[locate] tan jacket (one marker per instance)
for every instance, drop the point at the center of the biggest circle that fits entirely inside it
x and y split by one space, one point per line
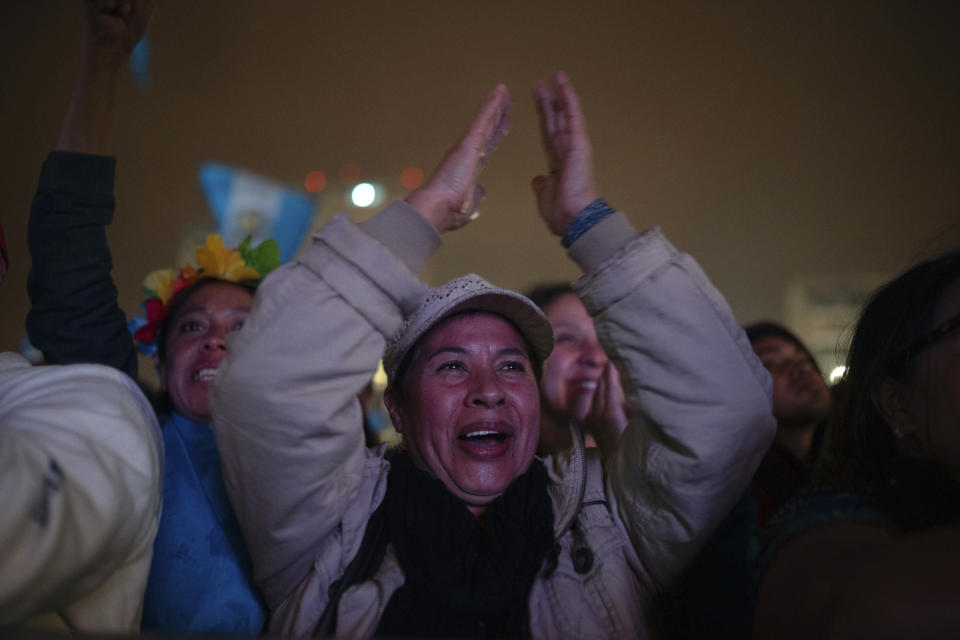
81 463
303 485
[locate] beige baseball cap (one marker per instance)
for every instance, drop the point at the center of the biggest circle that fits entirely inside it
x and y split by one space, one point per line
470 293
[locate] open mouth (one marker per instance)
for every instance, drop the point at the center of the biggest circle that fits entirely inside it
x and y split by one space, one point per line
583 385
205 375
483 436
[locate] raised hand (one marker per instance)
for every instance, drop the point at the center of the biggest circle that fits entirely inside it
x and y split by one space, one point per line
570 186
117 25
114 27
450 198
608 415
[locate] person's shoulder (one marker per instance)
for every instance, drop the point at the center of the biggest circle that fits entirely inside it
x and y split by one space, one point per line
60 380
96 401
100 380
827 503
816 508
10 361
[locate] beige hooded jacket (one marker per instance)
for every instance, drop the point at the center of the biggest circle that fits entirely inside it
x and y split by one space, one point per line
303 485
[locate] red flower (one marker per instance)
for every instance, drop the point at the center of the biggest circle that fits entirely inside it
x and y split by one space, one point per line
156 314
187 276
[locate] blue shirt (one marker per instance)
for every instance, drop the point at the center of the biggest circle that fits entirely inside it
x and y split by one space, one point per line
200 580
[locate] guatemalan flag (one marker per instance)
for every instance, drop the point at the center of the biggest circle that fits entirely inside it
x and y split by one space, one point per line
246 204
140 63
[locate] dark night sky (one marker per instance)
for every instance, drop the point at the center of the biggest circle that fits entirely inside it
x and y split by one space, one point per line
774 141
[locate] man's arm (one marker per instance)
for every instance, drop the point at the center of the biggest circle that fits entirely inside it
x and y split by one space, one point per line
113 29
74 315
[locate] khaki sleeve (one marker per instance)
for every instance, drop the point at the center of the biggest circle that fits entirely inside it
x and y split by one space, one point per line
702 400
286 416
80 474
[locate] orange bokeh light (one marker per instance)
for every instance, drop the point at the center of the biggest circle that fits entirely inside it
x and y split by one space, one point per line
315 181
349 173
411 178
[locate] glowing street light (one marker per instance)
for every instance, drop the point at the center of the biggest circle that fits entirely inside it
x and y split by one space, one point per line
363 195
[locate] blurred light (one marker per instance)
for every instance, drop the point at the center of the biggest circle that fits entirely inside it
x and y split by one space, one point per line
363 194
379 381
411 178
349 173
837 373
315 181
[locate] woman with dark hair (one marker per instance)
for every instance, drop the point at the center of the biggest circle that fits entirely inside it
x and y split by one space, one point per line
577 371
872 551
199 580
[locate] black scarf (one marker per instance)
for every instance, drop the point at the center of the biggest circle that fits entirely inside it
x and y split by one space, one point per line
464 577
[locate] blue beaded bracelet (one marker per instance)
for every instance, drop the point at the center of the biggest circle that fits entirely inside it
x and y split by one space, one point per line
591 215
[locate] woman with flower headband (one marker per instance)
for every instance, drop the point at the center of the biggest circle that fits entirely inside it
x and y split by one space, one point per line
200 580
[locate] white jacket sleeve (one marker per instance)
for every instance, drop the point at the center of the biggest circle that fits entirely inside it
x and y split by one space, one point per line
80 472
286 418
702 400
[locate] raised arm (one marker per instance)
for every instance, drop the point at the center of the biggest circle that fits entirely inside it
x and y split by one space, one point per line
74 315
701 416
569 186
286 418
452 195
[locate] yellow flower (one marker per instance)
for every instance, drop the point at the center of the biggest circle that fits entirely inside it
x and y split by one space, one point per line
216 261
161 283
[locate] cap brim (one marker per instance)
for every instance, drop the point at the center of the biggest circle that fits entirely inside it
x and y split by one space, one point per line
528 319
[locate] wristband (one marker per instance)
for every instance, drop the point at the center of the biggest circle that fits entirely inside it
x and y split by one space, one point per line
591 215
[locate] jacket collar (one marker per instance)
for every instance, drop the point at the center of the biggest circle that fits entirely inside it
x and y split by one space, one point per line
567 482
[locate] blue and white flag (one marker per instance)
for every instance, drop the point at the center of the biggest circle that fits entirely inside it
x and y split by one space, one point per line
140 63
246 204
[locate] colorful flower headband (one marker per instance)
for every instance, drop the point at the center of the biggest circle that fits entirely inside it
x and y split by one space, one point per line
243 264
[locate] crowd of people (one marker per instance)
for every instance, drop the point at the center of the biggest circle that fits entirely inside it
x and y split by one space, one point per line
610 458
